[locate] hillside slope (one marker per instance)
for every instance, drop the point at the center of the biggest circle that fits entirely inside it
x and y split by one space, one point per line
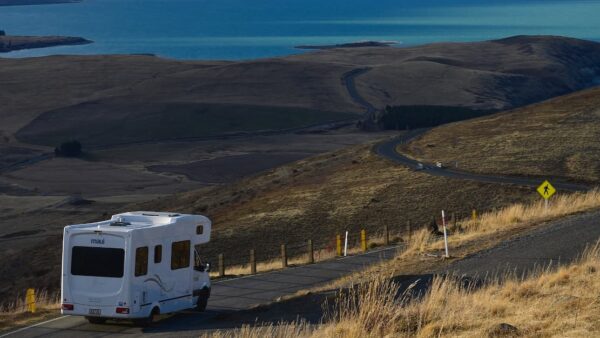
319 197
148 92
496 74
558 137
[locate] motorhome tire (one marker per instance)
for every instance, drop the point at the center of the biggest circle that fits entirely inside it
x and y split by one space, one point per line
202 301
148 320
96 320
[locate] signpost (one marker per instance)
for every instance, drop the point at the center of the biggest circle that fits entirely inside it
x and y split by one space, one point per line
445 234
546 190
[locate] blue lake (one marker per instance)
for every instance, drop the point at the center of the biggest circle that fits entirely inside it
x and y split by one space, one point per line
246 29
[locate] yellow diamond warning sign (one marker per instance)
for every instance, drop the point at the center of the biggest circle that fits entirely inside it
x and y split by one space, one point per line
546 190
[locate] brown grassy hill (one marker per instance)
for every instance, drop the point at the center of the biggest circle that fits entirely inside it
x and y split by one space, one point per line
557 138
150 93
497 74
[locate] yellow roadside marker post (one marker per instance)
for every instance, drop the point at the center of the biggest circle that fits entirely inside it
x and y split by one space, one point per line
338 245
363 240
30 300
546 190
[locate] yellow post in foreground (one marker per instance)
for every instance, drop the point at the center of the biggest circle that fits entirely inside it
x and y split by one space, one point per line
474 214
338 245
363 240
30 300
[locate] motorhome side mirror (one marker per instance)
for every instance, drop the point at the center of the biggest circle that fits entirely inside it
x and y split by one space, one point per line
202 267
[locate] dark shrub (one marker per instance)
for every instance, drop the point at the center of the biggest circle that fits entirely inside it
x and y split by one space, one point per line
69 149
412 117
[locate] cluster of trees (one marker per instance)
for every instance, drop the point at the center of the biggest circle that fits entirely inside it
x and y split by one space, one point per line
2 33
413 117
69 149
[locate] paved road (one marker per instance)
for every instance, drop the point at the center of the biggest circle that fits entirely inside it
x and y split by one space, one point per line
557 242
388 149
227 296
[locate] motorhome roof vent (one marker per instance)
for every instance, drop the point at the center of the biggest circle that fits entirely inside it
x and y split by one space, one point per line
119 224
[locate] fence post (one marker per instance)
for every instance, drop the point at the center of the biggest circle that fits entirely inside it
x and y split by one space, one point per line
363 240
409 229
338 245
474 214
311 252
386 236
30 300
284 262
221 266
252 262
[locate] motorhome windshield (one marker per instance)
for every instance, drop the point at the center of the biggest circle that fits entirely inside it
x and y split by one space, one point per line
97 262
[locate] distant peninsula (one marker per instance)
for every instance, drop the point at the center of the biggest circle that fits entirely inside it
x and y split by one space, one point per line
35 2
10 43
350 45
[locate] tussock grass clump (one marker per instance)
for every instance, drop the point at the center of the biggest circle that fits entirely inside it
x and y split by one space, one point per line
15 313
561 205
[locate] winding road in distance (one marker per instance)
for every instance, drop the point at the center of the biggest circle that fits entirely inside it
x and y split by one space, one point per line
387 149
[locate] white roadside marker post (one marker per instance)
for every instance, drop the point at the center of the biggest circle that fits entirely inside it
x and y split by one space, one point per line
445 234
346 245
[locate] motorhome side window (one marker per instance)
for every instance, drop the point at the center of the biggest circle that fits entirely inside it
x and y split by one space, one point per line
158 254
141 261
180 255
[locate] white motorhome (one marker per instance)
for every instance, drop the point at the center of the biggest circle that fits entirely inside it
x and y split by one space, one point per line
136 265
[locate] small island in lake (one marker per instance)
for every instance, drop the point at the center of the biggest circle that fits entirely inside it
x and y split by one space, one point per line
358 44
34 2
10 43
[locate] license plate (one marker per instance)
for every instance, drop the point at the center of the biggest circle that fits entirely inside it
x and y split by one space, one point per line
95 312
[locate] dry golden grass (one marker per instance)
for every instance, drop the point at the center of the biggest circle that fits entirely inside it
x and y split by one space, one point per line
549 303
509 218
555 138
15 313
